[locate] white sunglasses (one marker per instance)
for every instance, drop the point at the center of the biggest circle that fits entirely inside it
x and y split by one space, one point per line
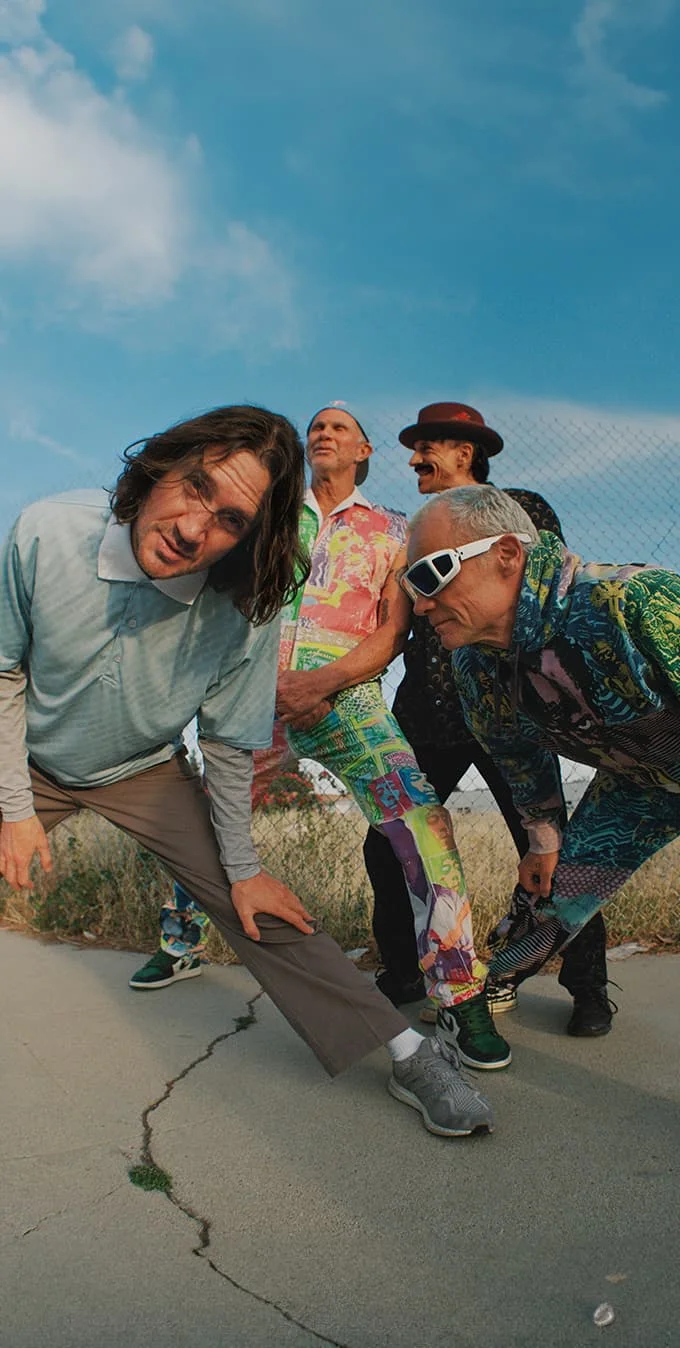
433 572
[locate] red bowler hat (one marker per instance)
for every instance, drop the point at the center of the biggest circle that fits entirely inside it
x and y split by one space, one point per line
452 421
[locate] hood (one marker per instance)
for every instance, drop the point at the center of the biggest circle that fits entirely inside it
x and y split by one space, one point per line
545 596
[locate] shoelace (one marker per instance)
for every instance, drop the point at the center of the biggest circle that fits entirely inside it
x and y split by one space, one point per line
601 998
478 1018
449 1054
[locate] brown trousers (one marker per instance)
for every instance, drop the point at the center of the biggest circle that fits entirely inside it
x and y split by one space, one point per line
327 1001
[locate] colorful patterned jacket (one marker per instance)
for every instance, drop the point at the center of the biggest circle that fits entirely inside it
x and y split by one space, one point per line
427 705
593 673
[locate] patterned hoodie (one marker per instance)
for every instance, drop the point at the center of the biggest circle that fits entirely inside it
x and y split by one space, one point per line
593 672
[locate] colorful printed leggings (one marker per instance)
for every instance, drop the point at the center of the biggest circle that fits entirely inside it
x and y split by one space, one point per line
614 828
361 743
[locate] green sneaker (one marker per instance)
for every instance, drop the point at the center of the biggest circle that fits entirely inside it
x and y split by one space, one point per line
162 970
470 1028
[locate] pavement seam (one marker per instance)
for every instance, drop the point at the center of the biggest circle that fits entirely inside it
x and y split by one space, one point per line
241 1023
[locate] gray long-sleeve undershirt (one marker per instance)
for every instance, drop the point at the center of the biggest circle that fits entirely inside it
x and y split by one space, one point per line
16 796
229 776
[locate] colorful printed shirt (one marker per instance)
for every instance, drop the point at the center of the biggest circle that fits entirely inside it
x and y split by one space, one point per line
593 673
427 705
352 553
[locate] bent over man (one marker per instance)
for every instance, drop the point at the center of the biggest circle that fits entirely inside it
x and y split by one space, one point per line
556 655
119 622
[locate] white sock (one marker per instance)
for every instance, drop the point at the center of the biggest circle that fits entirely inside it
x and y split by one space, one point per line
404 1045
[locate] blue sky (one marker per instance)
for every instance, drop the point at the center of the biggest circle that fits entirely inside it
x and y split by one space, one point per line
288 202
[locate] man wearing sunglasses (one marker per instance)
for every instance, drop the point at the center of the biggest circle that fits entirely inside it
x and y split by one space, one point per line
451 446
554 655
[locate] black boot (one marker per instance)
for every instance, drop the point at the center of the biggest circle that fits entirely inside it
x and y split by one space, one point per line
397 991
584 975
592 1013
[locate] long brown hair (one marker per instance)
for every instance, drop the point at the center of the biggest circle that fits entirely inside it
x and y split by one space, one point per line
264 570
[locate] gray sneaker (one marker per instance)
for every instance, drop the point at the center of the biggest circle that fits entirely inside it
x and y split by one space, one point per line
430 1081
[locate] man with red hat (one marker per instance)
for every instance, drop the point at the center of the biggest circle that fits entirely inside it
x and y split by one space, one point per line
451 446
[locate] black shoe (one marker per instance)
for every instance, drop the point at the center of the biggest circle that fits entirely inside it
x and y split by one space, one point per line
592 1014
399 993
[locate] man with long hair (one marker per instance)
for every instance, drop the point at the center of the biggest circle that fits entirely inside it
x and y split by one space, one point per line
121 620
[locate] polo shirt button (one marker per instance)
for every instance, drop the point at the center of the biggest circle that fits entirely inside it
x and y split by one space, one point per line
116 659
132 622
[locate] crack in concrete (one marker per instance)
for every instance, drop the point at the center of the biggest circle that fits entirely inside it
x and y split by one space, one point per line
61 1212
241 1023
273 1305
203 1223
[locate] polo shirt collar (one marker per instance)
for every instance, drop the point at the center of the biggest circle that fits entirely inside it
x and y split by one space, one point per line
356 498
117 561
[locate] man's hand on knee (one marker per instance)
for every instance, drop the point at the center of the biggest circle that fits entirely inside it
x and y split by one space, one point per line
19 843
265 894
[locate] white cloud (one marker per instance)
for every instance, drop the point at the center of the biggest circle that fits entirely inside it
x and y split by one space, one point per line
23 430
133 54
83 187
245 267
20 20
106 213
605 87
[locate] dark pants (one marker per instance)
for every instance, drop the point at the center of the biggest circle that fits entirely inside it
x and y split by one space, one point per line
584 960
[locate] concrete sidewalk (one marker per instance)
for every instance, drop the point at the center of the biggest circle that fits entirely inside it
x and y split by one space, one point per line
331 1215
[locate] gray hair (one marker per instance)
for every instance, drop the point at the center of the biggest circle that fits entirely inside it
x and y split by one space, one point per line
481 512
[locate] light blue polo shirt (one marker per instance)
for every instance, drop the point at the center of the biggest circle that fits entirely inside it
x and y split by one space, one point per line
118 664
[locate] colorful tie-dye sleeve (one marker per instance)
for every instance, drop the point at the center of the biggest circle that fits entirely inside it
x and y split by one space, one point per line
652 617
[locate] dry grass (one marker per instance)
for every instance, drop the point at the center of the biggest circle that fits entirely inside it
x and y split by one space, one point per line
103 885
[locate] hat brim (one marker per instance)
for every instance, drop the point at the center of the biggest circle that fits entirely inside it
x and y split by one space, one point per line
453 430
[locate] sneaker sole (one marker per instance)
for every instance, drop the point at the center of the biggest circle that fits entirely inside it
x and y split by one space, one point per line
589 1034
500 1008
408 1098
165 982
478 1066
